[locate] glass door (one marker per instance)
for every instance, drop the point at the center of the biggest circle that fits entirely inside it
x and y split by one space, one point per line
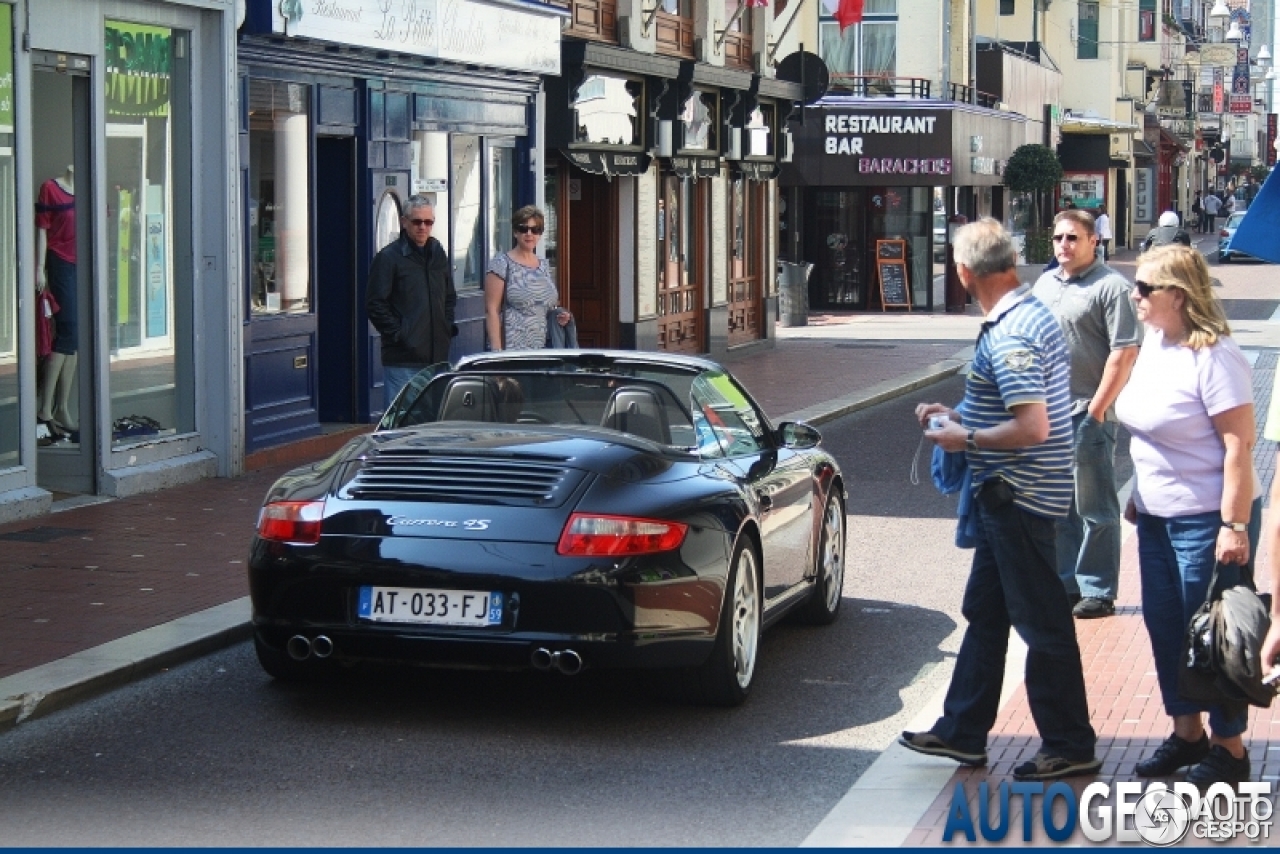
679 272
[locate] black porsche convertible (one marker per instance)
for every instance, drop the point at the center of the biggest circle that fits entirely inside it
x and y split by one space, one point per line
556 510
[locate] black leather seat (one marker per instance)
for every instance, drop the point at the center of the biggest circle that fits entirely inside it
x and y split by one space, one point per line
638 411
469 399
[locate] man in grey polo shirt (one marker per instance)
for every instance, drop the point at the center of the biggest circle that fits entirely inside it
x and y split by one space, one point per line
1092 303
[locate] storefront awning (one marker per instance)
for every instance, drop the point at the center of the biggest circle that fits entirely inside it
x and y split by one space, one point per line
1072 123
608 162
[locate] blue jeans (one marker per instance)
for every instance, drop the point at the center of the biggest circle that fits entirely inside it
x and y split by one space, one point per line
1089 538
396 377
1012 582
1176 559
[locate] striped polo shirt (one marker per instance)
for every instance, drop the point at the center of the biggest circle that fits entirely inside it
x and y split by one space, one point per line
1021 357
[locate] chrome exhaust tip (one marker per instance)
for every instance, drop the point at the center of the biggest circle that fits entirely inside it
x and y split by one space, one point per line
568 662
322 646
542 659
298 647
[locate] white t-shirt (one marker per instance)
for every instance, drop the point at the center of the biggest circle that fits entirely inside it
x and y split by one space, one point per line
1103 225
1167 406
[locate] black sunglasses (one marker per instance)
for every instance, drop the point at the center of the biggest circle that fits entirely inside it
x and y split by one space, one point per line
422 222
1070 238
1144 290
525 229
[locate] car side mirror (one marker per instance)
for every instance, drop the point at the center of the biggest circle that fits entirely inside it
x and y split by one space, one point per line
797 435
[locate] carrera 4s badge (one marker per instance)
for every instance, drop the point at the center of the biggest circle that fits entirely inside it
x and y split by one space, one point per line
465 524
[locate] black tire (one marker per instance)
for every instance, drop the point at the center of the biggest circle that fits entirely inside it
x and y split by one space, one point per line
725 678
279 665
823 606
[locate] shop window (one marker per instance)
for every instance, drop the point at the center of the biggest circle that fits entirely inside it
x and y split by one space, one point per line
467 192
501 185
699 115
148 226
1087 30
867 49
279 197
759 132
607 111
1146 20
10 412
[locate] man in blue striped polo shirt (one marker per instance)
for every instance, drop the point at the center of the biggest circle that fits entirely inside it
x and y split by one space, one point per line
1016 432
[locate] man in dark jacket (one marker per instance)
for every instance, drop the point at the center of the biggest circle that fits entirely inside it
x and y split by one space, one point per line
411 299
1167 231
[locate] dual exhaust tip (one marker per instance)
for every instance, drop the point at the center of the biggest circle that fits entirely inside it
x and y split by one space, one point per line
300 647
566 661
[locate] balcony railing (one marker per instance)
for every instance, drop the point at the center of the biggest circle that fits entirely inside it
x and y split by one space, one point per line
877 86
961 92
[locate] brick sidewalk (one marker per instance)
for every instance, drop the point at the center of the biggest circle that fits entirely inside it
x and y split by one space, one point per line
79 578
1124 699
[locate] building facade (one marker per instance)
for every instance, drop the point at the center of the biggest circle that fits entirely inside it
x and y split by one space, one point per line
117 172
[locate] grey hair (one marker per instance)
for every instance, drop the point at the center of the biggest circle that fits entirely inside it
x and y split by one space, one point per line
985 247
416 202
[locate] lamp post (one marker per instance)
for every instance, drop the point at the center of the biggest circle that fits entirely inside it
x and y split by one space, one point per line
1218 16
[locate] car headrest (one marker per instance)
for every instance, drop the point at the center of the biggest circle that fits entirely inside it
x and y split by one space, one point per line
638 411
469 399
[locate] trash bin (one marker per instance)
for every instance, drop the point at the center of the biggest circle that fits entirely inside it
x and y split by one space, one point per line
793 293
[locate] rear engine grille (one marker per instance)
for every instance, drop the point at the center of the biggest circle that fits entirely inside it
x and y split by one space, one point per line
475 479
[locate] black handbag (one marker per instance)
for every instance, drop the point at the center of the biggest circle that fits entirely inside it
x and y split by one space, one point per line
1221 652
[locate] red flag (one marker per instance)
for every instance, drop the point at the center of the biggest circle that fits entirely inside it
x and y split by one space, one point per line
849 12
763 4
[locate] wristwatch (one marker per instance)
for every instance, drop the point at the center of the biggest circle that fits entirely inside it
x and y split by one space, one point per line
970 443
1238 527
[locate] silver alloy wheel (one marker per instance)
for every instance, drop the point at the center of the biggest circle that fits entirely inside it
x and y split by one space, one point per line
745 618
833 552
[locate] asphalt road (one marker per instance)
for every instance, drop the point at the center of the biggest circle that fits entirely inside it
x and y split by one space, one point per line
215 753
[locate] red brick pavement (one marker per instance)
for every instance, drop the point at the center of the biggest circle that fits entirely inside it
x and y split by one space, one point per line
111 569
1126 712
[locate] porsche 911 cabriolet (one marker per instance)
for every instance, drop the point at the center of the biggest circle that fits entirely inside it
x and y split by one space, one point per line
554 510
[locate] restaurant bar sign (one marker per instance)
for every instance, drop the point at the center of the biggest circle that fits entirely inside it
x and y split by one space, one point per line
502 36
850 146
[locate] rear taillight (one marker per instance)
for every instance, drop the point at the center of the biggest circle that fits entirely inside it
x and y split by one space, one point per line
618 536
291 521
1224 233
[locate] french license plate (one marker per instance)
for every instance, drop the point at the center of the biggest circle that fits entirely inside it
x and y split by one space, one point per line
429 607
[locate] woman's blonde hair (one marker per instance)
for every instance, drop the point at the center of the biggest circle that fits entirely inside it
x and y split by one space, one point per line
1184 268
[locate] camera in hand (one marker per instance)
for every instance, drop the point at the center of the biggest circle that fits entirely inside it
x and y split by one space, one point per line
937 422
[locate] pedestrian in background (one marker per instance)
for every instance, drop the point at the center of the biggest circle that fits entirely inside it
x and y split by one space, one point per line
1091 302
1016 434
1102 227
520 297
1212 204
1197 210
411 299
1196 499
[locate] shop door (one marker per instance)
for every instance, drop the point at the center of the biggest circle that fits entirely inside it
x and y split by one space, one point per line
680 268
590 254
834 244
390 192
66 399
336 304
746 251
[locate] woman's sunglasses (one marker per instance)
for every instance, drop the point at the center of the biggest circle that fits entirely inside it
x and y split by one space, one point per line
1144 290
525 229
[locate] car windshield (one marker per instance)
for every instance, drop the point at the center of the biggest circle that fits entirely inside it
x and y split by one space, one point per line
1234 221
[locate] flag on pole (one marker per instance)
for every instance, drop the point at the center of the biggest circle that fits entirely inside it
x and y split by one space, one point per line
762 4
849 12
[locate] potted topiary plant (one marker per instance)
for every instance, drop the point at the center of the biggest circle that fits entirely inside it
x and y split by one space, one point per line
1034 169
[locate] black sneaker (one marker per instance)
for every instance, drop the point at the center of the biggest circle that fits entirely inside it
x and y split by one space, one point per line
1091 608
931 745
1219 766
1172 754
1046 767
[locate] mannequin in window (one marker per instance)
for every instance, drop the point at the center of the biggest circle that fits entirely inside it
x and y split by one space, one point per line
56 269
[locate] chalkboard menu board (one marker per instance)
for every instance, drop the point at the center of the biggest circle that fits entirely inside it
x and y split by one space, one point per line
891 267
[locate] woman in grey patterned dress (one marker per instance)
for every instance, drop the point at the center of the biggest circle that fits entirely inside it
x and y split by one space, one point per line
518 290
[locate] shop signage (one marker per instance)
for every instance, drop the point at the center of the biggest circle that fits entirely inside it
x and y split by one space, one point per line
1143 201
696 167
1271 139
458 30
137 61
756 170
886 142
608 162
986 165
1223 53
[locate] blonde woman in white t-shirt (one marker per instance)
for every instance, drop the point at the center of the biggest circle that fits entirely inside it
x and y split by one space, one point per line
1196 500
